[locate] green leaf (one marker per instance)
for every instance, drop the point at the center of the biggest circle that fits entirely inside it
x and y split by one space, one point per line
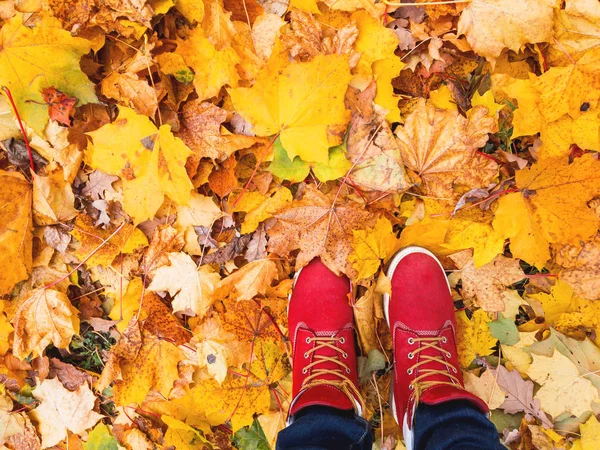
251 438
505 330
282 167
336 168
101 439
297 170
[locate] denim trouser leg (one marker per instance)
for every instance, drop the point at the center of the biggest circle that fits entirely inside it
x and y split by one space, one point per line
455 425
324 428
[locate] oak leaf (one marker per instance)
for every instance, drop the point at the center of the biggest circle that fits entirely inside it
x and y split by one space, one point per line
191 287
318 228
15 230
43 317
301 102
551 207
62 411
149 161
473 337
40 57
486 23
562 388
440 146
252 279
519 394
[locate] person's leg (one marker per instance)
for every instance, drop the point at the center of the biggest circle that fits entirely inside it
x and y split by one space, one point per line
324 428
326 403
427 378
455 425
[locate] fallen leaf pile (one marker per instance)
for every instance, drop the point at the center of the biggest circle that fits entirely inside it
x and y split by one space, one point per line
167 166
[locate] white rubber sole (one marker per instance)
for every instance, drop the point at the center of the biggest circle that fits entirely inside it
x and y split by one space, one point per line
406 430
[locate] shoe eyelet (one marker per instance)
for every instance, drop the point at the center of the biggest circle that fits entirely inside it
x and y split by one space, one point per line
410 355
411 341
444 340
454 370
345 355
409 371
304 371
448 355
306 355
411 387
348 371
308 340
342 340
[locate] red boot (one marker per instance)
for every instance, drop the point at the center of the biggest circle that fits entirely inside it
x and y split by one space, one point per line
321 327
420 314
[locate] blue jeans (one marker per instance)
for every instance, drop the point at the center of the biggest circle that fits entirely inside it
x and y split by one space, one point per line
455 425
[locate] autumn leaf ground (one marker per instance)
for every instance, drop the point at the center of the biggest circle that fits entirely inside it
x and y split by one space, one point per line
167 166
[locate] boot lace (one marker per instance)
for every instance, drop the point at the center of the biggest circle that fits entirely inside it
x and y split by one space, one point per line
343 383
420 384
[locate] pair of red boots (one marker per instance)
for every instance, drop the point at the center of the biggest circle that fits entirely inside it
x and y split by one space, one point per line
420 314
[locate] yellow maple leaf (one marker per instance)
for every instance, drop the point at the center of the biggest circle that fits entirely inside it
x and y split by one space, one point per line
303 102
260 207
43 317
590 435
91 240
43 56
309 6
562 388
565 90
15 229
493 25
247 282
213 68
182 436
576 30
52 199
372 247
149 161
473 337
73 408
154 367
551 207
191 287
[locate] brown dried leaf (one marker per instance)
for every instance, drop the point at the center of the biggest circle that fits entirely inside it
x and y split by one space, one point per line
440 146
581 267
318 228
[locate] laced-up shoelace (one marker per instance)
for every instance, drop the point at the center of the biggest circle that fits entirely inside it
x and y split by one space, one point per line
419 384
344 383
